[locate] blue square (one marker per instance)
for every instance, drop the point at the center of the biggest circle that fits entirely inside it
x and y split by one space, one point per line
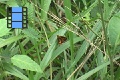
16 16
16 24
16 9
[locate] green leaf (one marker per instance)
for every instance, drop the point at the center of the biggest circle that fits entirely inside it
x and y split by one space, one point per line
25 62
93 71
31 11
3 27
14 71
49 52
45 5
31 32
3 0
12 3
114 28
9 40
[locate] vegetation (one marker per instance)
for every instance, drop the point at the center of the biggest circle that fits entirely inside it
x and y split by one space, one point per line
41 51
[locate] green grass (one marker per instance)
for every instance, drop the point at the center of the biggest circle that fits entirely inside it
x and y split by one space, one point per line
91 52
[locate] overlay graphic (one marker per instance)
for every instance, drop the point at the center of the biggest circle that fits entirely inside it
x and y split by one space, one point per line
17 17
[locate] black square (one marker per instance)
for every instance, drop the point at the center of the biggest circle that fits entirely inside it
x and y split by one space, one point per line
9 9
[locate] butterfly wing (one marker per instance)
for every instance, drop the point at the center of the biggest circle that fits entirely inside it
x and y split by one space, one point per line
61 39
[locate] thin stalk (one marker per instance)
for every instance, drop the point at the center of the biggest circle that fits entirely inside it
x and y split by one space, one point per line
106 43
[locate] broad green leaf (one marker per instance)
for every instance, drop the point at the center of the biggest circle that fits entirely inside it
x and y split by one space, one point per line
3 27
25 62
10 40
114 29
14 71
31 32
12 3
45 7
49 52
1 39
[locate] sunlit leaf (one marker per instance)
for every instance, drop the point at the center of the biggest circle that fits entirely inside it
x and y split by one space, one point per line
25 62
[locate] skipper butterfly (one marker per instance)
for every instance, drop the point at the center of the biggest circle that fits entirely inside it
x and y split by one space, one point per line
61 39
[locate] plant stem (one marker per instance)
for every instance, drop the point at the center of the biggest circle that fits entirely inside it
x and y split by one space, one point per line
106 43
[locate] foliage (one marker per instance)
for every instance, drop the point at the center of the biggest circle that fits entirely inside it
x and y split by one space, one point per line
91 52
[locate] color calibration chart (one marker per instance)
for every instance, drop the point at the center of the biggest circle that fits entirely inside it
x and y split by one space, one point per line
17 17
